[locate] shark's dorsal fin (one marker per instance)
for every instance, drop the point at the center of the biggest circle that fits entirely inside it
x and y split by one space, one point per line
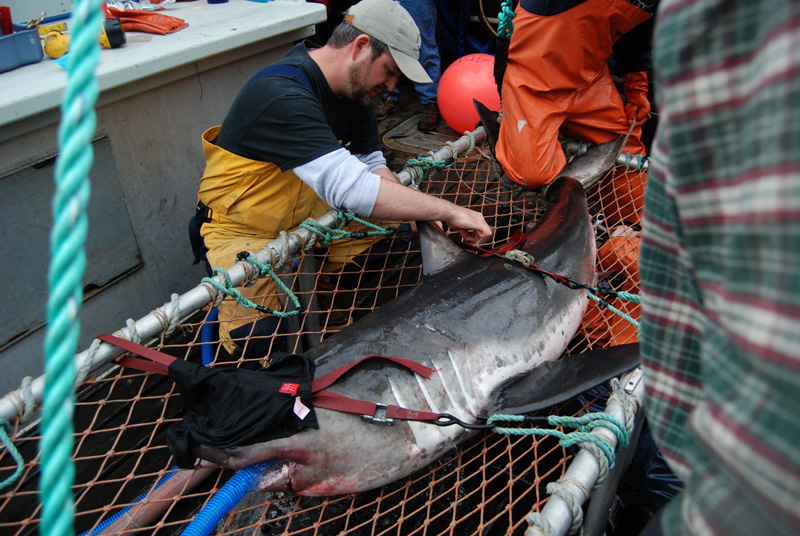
490 123
438 251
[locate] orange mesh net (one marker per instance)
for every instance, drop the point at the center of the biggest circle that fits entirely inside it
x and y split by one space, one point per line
487 486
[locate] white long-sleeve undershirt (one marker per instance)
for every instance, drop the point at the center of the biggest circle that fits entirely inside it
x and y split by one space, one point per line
343 180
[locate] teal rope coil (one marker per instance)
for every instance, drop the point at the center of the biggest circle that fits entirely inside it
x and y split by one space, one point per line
506 26
633 162
5 426
229 290
426 164
67 239
584 424
326 235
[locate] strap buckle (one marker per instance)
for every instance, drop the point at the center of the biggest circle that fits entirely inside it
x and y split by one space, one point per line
516 255
379 417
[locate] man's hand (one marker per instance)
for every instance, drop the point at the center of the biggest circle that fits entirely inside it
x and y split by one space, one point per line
398 202
470 225
637 106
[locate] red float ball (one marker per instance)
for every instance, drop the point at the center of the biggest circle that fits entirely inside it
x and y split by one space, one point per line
469 77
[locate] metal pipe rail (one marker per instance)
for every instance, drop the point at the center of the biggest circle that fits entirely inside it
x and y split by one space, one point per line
585 467
152 325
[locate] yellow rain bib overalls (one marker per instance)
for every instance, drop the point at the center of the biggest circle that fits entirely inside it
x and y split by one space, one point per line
250 203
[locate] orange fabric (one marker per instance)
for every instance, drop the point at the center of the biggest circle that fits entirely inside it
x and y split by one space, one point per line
557 79
622 196
137 20
635 87
619 254
605 328
568 50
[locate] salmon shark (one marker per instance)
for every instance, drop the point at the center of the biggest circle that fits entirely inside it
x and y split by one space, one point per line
480 322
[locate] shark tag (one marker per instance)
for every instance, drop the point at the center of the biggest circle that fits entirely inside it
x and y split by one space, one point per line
300 409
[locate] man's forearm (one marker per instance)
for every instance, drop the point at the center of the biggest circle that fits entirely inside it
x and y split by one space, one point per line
398 202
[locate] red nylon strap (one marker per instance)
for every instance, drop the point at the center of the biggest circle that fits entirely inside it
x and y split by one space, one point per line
331 377
143 364
334 401
158 361
501 251
337 402
516 240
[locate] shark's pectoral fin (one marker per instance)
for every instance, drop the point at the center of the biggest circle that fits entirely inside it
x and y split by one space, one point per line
557 381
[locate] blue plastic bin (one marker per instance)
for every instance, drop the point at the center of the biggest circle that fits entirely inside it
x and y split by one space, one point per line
20 48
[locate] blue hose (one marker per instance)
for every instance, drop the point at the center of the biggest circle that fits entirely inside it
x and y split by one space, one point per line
224 500
207 337
107 522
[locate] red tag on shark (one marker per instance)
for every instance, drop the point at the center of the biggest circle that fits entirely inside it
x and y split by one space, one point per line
289 388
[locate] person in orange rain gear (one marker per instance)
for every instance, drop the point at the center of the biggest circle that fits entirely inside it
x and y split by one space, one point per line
557 80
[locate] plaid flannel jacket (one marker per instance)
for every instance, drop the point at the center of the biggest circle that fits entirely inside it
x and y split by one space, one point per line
720 264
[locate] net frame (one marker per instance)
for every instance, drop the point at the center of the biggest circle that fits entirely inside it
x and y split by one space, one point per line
121 414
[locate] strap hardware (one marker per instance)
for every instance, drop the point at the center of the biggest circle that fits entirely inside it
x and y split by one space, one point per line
525 259
379 417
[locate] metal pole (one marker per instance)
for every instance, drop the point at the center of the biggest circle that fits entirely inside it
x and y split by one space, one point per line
151 326
584 467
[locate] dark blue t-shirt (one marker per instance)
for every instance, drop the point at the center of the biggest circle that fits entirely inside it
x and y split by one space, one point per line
278 118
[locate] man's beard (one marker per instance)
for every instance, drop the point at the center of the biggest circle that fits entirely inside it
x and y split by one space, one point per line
363 94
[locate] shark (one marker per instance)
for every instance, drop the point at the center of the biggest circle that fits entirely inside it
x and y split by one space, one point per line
481 323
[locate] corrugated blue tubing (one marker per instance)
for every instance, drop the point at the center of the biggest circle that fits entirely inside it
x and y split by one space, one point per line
107 522
224 500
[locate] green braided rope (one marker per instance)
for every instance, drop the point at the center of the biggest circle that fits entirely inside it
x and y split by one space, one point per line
641 160
602 303
590 421
229 290
266 269
377 230
326 235
506 16
584 424
627 296
67 239
427 163
5 426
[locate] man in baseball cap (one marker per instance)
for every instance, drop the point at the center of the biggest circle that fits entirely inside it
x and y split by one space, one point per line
301 137
389 22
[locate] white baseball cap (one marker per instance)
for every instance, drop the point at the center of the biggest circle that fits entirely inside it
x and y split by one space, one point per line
389 22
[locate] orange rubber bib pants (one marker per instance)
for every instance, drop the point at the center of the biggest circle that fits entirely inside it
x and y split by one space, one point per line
557 79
